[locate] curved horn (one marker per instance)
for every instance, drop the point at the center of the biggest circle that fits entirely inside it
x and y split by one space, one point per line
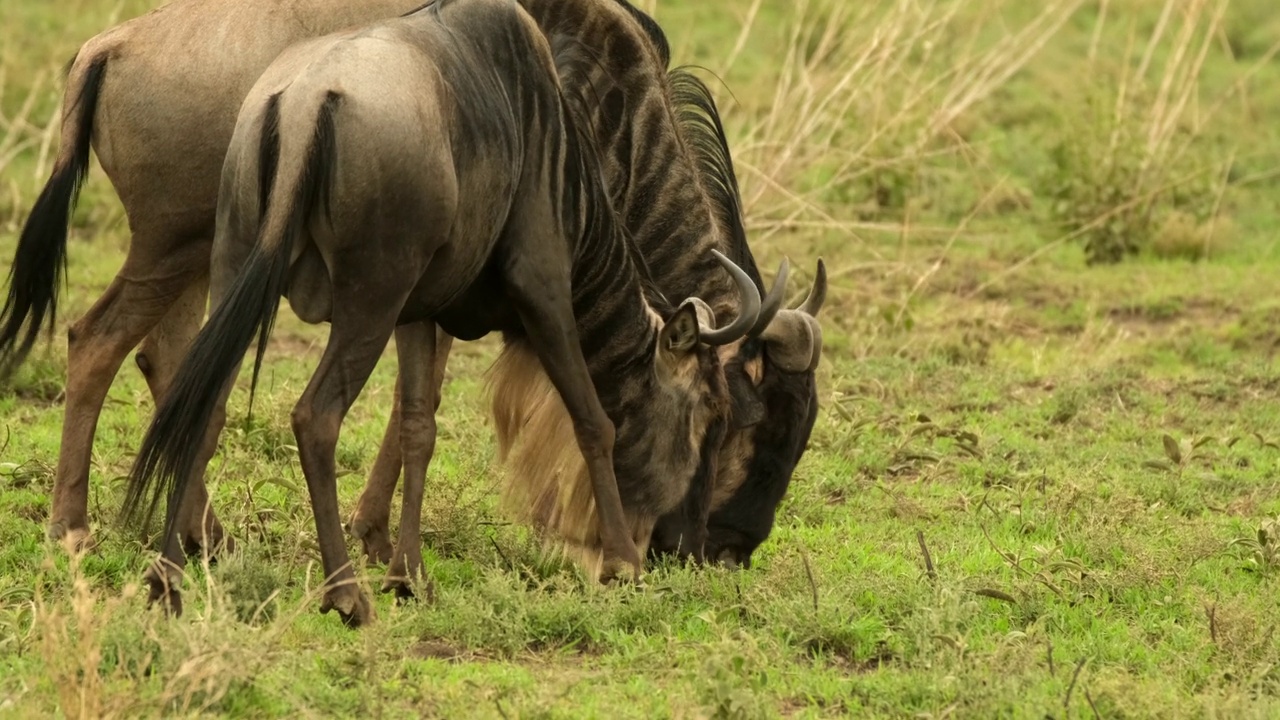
818 294
772 302
747 314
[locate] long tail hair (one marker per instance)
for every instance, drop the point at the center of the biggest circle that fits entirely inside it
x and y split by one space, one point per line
41 260
169 452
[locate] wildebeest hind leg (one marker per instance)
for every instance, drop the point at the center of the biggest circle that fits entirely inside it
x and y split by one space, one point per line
415 350
371 521
165 574
138 297
361 326
158 359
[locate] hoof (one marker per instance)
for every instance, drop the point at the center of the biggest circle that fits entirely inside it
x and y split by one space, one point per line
405 592
352 605
619 571
73 540
374 539
404 574
407 589
163 590
217 543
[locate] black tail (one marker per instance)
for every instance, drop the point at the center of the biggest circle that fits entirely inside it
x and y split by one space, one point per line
41 260
173 442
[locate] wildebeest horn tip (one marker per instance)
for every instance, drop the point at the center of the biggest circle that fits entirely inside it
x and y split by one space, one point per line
818 294
772 302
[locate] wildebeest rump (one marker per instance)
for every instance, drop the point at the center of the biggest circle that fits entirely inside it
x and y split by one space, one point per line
428 168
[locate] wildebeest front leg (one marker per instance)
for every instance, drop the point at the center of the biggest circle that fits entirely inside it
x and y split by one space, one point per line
542 298
371 521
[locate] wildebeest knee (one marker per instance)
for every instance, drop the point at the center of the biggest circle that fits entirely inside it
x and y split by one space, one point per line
417 432
307 428
595 435
300 417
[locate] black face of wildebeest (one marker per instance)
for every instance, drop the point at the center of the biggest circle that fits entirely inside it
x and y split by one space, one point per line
773 398
736 528
766 457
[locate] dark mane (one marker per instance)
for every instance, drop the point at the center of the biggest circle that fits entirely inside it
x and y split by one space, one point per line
651 29
698 121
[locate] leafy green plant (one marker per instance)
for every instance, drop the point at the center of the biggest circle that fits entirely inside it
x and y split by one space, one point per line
1132 169
733 688
1263 547
1179 455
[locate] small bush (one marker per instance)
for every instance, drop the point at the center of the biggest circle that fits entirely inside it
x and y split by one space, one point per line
1134 172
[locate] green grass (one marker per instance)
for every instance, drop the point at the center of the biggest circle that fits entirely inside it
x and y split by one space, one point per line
1035 488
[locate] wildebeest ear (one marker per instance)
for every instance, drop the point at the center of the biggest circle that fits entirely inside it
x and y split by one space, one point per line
793 341
680 334
747 408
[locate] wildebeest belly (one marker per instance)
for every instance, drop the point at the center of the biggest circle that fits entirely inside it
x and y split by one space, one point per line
477 310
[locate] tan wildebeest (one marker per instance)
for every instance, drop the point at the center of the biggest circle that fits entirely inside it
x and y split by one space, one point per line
428 169
158 97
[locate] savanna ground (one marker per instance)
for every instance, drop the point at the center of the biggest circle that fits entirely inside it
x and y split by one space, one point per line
1038 486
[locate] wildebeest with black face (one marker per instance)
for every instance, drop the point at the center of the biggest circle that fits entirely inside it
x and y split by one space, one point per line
429 169
743 516
668 164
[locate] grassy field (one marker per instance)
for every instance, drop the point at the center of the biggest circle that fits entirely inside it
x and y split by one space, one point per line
1039 486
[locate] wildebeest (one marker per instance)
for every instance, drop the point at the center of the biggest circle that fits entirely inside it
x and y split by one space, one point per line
157 96
429 168
668 166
